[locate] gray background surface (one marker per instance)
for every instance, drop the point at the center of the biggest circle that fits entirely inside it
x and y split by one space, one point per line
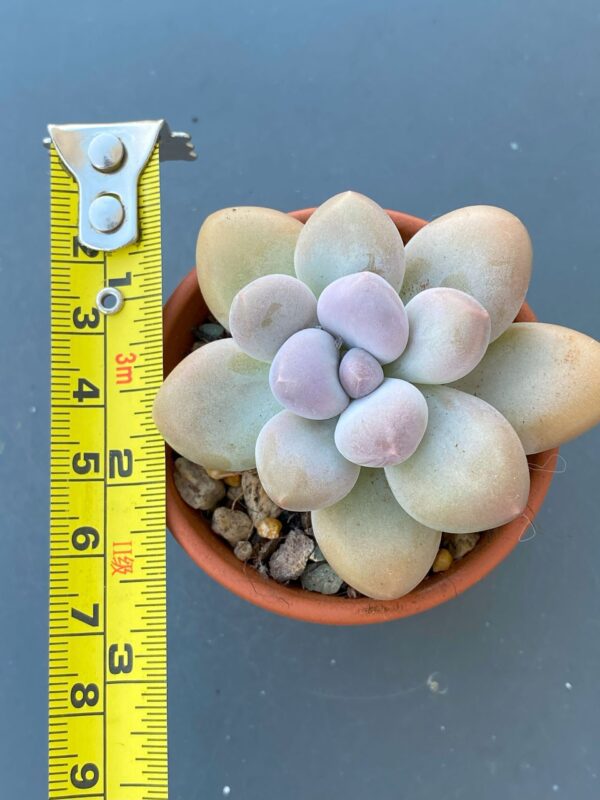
425 106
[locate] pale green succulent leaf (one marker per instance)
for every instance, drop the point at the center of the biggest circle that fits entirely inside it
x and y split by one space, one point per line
349 233
372 543
482 250
213 405
237 245
545 379
299 465
470 471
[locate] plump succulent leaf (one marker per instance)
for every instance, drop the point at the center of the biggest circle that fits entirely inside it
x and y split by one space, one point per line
469 473
545 379
304 375
372 543
349 233
299 465
482 250
213 405
449 332
267 311
360 373
383 428
365 312
237 245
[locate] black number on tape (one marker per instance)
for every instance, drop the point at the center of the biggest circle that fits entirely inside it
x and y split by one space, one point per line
92 619
77 246
81 320
84 537
118 663
84 695
126 281
84 777
116 463
84 462
85 391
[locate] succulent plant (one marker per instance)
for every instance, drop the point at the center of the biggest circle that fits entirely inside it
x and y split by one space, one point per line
384 388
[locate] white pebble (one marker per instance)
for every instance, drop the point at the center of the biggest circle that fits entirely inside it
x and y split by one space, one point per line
568 685
514 146
226 790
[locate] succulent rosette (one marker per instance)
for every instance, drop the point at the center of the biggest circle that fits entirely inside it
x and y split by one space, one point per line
384 388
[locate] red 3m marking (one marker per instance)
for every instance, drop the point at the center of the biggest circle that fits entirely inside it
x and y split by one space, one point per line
124 367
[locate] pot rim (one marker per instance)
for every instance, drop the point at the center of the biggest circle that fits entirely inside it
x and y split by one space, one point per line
186 308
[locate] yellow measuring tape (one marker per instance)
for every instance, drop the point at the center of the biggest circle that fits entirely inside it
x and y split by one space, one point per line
108 648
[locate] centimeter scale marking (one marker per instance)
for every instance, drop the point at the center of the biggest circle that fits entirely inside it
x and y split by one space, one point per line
108 648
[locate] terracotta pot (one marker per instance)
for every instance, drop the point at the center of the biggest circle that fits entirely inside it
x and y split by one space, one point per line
184 310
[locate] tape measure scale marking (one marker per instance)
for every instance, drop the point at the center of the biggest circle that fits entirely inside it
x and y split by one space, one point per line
107 662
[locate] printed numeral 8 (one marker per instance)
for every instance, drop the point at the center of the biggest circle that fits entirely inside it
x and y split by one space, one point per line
84 695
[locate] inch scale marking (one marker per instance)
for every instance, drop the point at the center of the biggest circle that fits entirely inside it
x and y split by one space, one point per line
108 643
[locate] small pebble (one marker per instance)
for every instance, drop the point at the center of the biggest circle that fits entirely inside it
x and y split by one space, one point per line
233 480
264 548
459 544
258 502
443 561
352 593
234 526
321 578
306 522
269 528
195 486
243 550
219 474
235 494
317 554
289 561
209 331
